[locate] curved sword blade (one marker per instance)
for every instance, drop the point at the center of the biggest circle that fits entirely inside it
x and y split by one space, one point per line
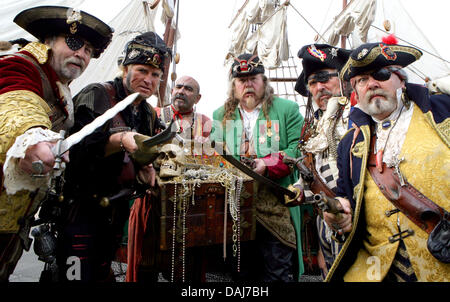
161 137
99 121
223 151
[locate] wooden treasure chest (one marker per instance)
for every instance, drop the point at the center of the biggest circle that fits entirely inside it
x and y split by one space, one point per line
206 205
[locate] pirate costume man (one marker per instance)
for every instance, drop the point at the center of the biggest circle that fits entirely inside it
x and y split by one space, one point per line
322 131
99 186
268 132
394 173
33 100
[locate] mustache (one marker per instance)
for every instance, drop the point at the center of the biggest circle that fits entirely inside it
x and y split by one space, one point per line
76 61
249 90
180 96
324 93
372 93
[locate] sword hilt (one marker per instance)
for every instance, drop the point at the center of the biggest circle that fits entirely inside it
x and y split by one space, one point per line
57 151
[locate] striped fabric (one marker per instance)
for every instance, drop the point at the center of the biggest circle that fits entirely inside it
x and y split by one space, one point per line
330 248
324 170
401 269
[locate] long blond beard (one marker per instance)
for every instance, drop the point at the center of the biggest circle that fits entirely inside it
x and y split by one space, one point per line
250 103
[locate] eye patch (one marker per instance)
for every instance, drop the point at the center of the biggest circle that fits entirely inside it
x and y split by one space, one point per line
74 43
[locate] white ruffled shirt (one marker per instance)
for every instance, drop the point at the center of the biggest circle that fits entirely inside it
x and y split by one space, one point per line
249 119
15 179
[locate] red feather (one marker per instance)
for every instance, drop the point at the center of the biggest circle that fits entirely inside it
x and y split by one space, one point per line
391 40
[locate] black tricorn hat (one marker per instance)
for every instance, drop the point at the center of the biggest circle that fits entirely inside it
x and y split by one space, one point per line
316 57
46 21
148 49
246 65
371 56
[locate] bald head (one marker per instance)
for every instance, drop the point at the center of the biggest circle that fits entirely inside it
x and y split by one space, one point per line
185 94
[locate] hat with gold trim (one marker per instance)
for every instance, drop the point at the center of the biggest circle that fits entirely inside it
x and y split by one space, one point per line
372 56
47 21
148 49
246 65
316 57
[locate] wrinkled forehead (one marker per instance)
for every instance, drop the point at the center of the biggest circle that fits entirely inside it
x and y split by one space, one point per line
187 82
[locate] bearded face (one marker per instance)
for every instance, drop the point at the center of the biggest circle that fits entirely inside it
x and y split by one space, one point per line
249 90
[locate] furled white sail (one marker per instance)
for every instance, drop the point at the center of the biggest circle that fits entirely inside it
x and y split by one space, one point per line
356 19
365 21
269 40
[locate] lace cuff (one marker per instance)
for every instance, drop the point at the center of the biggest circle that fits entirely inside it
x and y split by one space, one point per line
15 179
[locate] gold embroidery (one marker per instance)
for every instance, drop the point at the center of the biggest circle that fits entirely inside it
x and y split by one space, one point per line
443 128
365 130
426 168
20 110
374 53
357 191
12 207
358 149
38 50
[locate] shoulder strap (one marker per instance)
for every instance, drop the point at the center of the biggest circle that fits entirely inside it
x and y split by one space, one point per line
118 122
416 206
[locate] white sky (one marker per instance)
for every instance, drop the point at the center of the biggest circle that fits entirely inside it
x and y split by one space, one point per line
204 34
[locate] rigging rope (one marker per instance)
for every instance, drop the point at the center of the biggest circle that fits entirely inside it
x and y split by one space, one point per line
306 21
424 50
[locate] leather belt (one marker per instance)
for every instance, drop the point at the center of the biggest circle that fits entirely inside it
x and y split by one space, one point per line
417 207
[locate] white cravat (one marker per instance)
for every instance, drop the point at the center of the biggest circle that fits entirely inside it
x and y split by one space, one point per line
249 119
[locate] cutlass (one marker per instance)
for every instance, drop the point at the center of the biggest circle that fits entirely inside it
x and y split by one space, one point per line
99 121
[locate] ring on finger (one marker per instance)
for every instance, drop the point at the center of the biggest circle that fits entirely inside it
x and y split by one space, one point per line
37 167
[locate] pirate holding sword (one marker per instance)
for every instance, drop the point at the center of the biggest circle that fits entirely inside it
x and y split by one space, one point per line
102 177
35 105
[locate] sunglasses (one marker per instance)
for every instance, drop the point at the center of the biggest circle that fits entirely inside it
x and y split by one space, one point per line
321 77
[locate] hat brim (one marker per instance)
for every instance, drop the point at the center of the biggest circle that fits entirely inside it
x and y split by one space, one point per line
45 21
377 58
300 85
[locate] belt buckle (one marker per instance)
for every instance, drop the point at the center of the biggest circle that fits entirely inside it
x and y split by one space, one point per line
398 236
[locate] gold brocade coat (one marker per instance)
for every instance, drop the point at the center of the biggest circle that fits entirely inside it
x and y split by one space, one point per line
367 254
20 110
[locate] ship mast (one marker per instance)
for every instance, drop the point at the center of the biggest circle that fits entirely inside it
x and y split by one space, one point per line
169 37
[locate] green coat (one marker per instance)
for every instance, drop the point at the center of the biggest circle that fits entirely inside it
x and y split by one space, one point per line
287 123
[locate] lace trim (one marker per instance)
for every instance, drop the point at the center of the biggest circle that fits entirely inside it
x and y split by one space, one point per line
15 179
319 143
